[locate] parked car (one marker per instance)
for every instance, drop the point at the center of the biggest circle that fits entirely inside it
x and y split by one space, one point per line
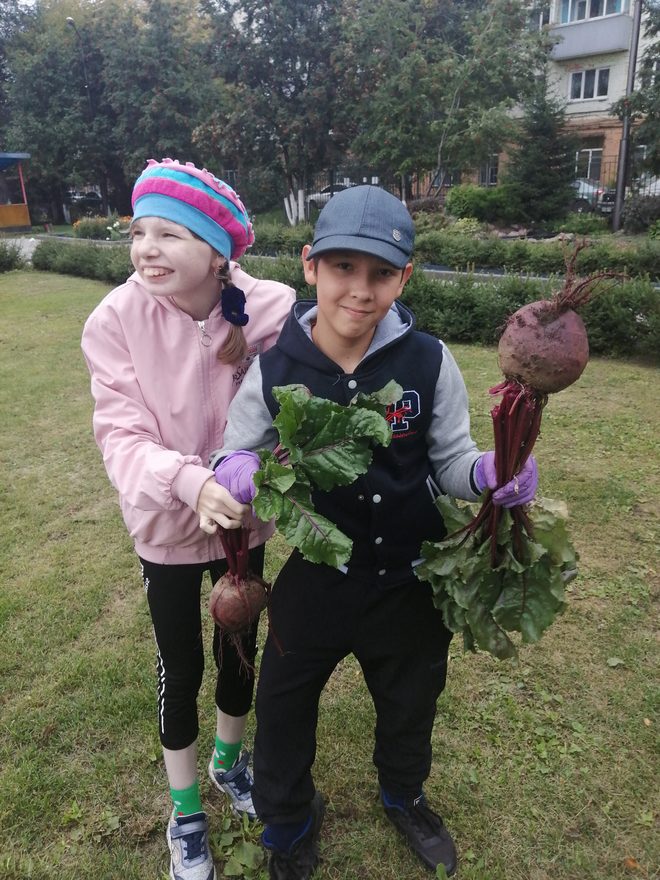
323 196
605 203
587 193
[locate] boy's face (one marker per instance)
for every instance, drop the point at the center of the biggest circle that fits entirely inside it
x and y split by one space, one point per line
354 293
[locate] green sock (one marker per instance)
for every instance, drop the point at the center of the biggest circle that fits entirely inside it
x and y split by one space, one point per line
225 754
186 800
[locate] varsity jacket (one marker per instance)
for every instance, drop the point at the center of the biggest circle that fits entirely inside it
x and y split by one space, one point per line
390 510
161 398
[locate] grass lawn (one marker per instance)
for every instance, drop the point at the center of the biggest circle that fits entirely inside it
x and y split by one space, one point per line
544 769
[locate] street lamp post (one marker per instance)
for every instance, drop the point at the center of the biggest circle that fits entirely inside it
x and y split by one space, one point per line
624 146
81 45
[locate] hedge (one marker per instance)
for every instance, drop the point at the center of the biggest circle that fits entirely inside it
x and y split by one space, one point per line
623 320
10 256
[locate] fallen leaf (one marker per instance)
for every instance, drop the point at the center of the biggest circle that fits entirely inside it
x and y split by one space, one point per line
615 661
647 722
631 864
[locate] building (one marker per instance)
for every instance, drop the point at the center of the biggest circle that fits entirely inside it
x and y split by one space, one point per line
589 71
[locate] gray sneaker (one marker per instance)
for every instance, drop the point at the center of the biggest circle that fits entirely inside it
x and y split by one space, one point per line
237 785
188 840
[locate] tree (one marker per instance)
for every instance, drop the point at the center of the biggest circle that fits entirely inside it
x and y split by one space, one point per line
278 88
438 79
542 165
643 104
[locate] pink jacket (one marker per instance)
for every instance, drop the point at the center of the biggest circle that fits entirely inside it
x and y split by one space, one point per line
161 399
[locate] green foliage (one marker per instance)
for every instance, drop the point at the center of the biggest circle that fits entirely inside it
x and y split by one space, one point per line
273 238
624 320
490 204
10 256
639 212
322 444
543 258
109 263
541 166
582 224
654 230
524 593
621 321
436 80
100 228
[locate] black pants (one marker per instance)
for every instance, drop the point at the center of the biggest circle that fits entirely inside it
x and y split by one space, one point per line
173 593
319 617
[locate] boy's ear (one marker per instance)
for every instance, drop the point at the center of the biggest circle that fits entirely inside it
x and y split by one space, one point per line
406 272
309 266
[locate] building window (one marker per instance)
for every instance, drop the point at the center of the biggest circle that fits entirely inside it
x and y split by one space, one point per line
589 159
539 17
589 84
580 10
488 172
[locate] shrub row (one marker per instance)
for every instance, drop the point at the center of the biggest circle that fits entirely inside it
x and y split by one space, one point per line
103 262
447 248
10 256
623 320
536 258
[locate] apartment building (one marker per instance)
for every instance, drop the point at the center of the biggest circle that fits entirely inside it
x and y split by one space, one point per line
589 71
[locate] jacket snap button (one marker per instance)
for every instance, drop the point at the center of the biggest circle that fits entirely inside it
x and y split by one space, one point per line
376 499
382 572
378 541
352 384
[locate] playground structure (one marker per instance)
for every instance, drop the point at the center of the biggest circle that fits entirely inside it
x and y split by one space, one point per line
14 213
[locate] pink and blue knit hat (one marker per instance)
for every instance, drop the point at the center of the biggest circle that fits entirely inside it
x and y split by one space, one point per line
196 199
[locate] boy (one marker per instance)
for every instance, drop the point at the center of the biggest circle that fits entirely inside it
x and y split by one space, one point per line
356 337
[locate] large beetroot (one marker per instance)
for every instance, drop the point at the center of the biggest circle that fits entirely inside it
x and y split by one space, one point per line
498 571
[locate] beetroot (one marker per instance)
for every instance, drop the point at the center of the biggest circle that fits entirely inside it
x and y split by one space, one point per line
544 347
236 603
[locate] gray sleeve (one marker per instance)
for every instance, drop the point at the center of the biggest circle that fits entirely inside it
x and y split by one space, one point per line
452 451
249 422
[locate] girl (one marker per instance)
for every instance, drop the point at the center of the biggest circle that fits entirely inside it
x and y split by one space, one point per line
167 352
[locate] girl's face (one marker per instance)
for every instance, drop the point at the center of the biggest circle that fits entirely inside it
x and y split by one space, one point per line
171 261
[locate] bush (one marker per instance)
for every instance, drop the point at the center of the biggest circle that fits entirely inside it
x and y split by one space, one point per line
583 224
496 204
102 228
106 263
10 256
639 212
623 319
654 230
273 238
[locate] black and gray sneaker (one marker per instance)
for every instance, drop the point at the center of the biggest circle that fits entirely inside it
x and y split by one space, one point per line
237 784
303 858
423 829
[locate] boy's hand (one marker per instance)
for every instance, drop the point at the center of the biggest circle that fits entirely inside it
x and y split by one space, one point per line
216 506
520 490
235 473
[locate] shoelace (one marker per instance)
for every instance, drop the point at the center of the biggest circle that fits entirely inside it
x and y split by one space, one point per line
242 783
194 845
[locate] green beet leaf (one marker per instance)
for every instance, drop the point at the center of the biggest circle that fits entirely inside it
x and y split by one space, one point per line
322 444
525 592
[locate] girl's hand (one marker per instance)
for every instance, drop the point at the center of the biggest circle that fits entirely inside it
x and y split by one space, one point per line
216 507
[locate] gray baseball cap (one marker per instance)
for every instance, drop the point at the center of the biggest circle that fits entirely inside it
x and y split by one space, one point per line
367 219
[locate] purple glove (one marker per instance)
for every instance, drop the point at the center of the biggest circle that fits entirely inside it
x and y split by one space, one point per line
235 473
520 490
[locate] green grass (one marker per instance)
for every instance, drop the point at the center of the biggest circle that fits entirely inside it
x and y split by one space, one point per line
544 770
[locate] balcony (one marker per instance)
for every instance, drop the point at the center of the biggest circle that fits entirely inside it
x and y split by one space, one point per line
592 36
